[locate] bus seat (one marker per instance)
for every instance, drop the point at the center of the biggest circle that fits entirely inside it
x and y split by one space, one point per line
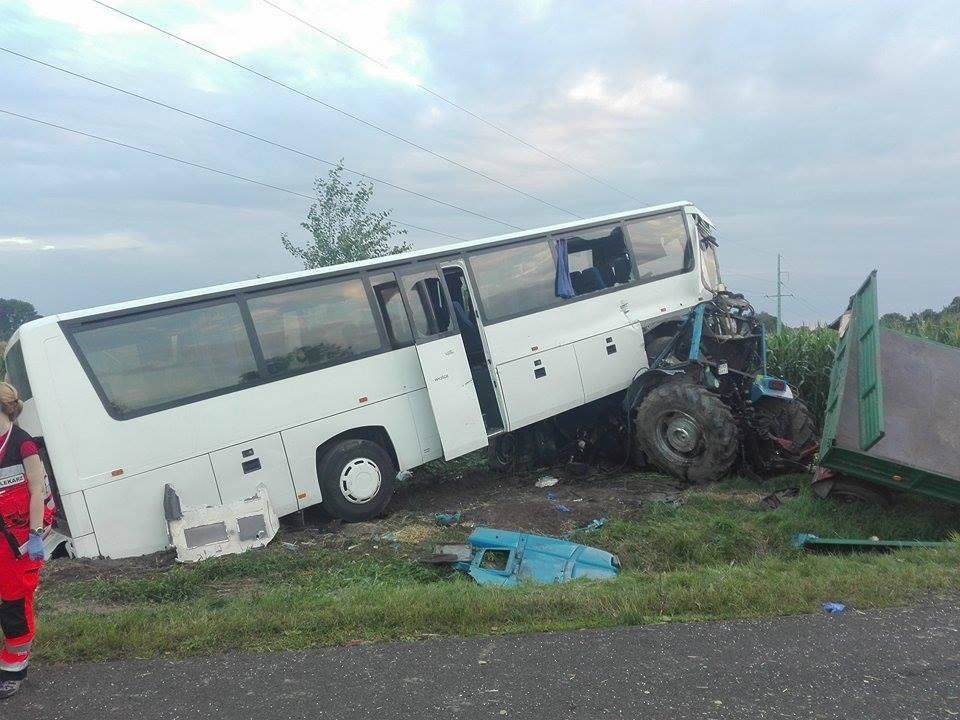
608 275
576 279
591 279
621 268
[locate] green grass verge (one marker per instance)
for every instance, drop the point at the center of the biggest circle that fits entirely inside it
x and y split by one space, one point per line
714 557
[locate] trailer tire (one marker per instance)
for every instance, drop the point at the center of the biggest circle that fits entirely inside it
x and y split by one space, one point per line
688 432
356 480
849 491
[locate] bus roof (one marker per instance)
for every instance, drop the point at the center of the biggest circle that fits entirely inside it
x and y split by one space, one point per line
363 264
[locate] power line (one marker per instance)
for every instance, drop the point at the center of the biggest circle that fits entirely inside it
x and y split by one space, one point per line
336 109
451 103
806 302
780 295
747 275
198 166
255 137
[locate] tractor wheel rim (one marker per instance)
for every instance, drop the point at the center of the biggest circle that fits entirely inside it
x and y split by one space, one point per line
679 434
360 480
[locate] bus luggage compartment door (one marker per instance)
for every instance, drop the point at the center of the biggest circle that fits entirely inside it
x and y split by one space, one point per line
608 362
443 360
240 469
539 386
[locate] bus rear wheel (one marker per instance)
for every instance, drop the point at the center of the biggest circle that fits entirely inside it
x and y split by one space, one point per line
356 480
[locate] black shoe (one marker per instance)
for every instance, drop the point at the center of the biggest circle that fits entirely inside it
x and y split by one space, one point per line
9 687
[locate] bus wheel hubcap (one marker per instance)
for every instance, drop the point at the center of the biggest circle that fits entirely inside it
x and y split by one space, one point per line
360 480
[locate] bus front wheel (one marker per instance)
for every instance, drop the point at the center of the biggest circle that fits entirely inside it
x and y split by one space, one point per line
356 480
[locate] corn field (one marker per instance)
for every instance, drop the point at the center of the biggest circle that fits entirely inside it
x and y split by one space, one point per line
804 357
944 330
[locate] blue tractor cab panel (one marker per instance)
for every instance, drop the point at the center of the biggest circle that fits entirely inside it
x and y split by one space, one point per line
504 558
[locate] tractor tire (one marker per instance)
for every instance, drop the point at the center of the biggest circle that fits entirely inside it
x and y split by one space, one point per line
688 432
655 346
787 419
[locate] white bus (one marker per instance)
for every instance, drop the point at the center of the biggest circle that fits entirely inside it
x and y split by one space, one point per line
322 385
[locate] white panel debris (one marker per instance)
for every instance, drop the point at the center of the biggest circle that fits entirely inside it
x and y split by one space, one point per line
209 531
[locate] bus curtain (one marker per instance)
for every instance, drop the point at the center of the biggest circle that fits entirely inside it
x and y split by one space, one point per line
562 285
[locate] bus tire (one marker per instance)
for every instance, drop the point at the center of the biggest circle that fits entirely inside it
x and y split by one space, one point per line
688 432
356 480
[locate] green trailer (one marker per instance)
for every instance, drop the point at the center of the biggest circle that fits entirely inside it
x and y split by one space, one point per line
893 413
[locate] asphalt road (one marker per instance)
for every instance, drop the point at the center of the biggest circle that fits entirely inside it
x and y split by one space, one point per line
901 664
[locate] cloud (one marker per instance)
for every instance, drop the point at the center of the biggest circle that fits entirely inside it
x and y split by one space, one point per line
87 17
376 29
647 96
255 28
826 133
107 242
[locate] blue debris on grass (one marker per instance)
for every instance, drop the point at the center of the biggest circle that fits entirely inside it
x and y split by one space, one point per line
447 519
505 559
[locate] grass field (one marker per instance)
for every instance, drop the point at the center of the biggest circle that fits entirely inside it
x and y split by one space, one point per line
715 556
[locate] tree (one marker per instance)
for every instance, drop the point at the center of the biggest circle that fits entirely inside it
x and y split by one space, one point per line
13 314
343 227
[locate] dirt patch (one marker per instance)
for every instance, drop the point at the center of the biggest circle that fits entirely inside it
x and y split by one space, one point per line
66 570
483 497
514 502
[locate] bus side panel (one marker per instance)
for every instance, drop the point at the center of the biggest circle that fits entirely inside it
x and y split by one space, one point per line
585 318
241 468
128 516
573 337
540 385
394 415
609 361
102 444
49 406
85 547
74 508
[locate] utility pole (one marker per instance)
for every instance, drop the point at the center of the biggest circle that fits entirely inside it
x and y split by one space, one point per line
780 294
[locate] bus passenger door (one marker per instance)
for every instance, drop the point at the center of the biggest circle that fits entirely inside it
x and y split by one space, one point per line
443 359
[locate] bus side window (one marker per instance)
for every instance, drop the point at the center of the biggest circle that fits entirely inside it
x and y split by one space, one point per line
390 303
660 246
598 259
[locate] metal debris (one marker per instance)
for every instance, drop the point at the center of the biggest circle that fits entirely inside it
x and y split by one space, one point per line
505 559
447 519
775 500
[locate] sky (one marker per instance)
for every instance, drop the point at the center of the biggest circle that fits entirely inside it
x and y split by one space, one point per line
828 132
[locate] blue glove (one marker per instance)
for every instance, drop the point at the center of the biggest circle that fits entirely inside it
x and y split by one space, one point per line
35 549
